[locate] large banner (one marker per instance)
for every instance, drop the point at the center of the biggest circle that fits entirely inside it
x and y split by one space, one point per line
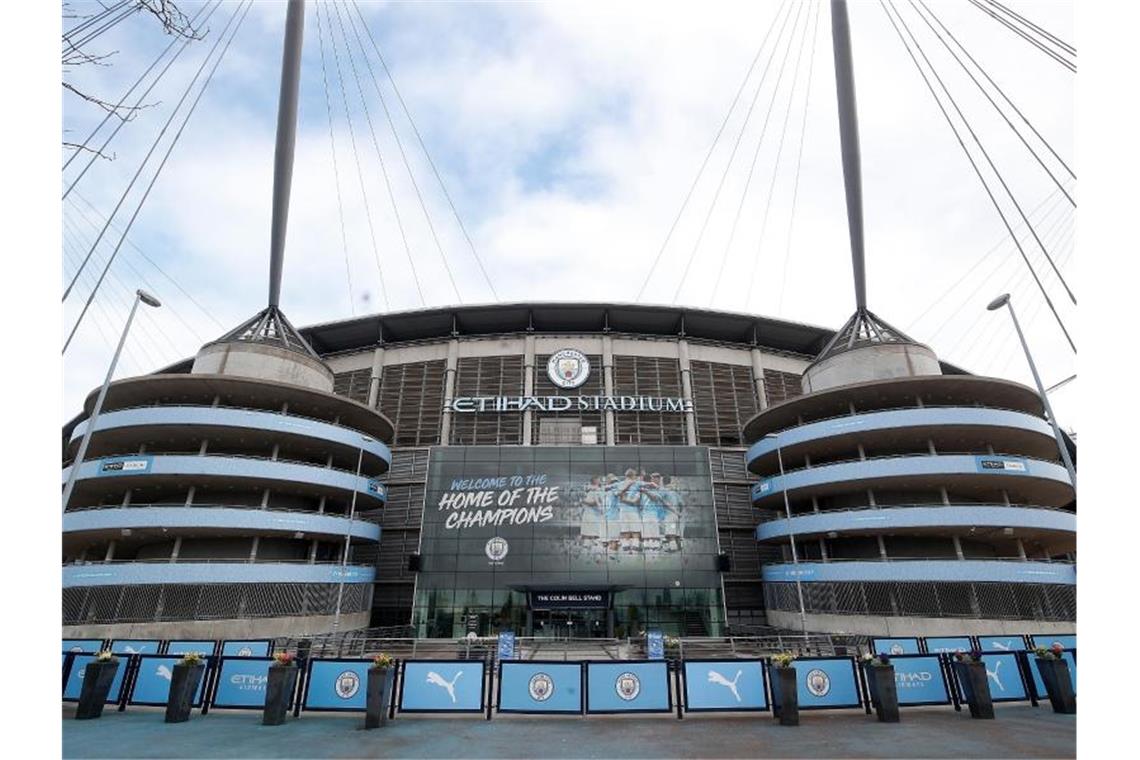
724 685
1006 683
336 685
920 680
246 648
74 683
629 686
897 645
442 686
824 682
537 686
566 525
241 682
152 682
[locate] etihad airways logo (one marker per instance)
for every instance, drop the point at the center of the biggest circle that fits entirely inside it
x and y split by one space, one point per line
248 681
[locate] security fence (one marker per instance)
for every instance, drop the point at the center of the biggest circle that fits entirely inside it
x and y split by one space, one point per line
997 601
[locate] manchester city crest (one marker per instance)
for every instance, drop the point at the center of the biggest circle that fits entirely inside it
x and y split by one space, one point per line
897 648
628 686
347 684
541 686
496 549
568 368
818 682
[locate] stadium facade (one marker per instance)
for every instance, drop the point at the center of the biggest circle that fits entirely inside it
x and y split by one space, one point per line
562 469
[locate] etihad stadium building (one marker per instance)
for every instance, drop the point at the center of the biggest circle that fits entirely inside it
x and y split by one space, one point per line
563 470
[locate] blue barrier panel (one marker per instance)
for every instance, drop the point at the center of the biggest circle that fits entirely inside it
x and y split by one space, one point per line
336 685
823 683
135 646
241 682
247 648
1004 676
90 646
897 645
152 681
1069 656
204 647
721 685
506 645
431 686
948 644
540 686
74 683
629 686
1066 640
920 680
1001 643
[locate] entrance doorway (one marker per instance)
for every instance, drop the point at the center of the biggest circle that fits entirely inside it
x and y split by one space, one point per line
569 624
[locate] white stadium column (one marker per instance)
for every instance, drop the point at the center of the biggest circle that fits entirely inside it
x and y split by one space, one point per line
449 390
608 382
687 391
528 387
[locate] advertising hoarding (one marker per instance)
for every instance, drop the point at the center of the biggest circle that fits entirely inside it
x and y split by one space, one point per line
725 685
536 686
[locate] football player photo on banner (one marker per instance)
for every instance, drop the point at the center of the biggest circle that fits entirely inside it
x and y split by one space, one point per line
1047 640
336 685
1006 684
628 686
920 681
1001 643
88 646
724 685
893 646
948 644
825 682
1039 684
152 683
442 686
243 648
204 647
536 686
135 646
241 682
74 683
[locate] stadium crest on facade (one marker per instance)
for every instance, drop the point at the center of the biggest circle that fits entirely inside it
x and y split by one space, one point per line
568 368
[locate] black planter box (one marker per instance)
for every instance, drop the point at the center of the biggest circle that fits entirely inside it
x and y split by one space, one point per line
97 678
379 696
884 692
975 689
787 704
183 686
1058 684
279 694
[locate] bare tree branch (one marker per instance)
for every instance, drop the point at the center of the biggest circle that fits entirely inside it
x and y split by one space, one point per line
174 21
119 111
86 149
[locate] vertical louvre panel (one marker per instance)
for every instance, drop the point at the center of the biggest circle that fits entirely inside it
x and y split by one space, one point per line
781 386
411 396
353 384
724 398
648 376
488 376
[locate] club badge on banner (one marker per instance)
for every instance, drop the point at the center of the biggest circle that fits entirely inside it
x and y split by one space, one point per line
90 646
894 646
535 686
628 686
241 682
824 682
152 683
337 685
724 685
920 681
442 686
253 648
948 644
75 678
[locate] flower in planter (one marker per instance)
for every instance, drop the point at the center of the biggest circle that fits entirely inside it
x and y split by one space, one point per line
284 658
876 660
106 656
1052 653
783 660
191 658
1057 650
968 657
382 661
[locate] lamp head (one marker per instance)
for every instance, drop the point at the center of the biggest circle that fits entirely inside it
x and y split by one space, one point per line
998 302
148 299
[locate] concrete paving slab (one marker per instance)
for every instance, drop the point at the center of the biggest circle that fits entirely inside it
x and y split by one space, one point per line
930 732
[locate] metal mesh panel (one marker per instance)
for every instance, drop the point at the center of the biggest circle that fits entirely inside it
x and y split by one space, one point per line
488 376
781 386
411 396
353 384
648 376
594 386
1021 601
724 398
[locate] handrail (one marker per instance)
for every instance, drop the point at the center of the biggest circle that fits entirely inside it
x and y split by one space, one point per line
223 406
873 507
180 505
898 409
229 456
210 561
911 456
833 560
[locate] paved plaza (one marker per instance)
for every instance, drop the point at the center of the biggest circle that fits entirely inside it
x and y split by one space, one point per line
928 732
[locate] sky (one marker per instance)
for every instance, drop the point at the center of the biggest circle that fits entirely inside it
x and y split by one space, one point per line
568 136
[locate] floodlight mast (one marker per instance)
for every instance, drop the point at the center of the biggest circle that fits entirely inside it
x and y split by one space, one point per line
849 144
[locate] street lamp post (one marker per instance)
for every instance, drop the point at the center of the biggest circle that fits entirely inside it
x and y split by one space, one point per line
792 535
348 534
994 305
149 300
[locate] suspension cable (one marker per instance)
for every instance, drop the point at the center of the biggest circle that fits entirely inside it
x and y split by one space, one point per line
162 163
977 170
1026 22
1028 38
93 19
92 36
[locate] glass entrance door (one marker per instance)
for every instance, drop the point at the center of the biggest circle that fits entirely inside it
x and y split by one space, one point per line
569 624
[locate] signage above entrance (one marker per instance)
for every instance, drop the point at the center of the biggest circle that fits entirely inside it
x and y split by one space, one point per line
569 600
469 404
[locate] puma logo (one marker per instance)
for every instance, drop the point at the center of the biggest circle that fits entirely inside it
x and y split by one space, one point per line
438 680
720 680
